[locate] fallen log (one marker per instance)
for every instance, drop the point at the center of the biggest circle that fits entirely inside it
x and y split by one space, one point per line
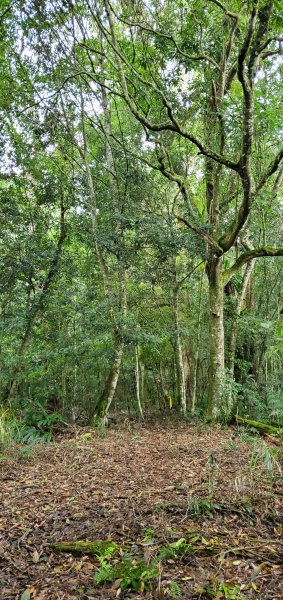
262 428
103 547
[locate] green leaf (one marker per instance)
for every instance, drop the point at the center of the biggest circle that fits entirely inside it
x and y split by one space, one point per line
178 544
25 595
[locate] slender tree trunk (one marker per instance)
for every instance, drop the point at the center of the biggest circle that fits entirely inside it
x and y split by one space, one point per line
142 386
164 387
137 372
197 346
109 390
216 338
179 356
113 377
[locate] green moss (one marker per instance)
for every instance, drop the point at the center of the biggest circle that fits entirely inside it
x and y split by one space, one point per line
261 427
101 548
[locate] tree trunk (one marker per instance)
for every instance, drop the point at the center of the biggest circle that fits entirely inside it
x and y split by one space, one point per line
196 356
179 356
109 390
137 371
215 403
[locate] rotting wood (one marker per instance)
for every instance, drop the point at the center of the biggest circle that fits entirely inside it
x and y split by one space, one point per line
262 428
94 548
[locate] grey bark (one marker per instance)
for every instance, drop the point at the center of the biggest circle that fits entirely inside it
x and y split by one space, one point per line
197 347
216 338
179 355
138 387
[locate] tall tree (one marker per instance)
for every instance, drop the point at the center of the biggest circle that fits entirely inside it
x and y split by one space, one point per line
219 54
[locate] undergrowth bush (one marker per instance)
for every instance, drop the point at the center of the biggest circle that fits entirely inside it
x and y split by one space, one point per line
27 427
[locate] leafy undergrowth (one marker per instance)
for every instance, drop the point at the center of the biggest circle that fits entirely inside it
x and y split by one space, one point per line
192 512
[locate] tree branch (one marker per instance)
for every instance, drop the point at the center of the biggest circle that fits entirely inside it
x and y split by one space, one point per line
170 38
271 169
245 172
172 124
245 257
217 249
225 10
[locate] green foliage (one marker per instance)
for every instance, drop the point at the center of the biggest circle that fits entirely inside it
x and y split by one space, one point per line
36 416
148 535
27 427
264 460
202 506
133 573
178 548
229 591
149 215
174 591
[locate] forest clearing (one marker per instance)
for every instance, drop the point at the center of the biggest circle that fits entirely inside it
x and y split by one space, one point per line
201 508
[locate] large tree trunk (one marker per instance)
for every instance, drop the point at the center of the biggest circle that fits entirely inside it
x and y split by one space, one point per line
215 403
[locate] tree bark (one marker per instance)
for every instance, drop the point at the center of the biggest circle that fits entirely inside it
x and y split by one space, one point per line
181 384
234 332
179 356
137 373
109 390
196 354
216 338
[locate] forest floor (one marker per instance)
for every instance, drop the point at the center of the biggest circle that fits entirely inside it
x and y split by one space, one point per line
211 497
